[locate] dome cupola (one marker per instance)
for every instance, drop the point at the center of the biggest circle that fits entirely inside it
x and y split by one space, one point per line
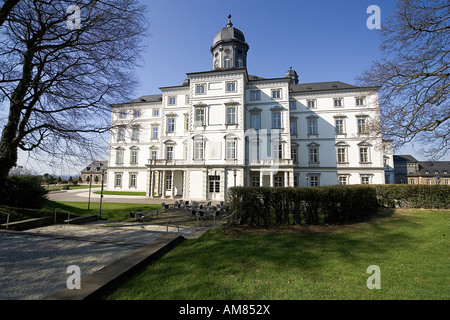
292 75
229 48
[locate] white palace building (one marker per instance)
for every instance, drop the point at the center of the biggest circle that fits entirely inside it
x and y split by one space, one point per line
224 128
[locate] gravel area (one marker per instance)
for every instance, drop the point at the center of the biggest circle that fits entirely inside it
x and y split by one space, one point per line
33 264
33 268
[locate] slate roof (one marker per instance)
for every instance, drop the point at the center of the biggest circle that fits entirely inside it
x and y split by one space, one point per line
94 165
321 86
294 88
431 168
404 158
229 33
148 98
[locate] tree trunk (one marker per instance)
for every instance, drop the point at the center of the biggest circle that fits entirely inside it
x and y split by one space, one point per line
7 7
8 153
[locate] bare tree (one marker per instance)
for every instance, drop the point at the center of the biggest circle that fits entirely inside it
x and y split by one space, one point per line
414 75
59 75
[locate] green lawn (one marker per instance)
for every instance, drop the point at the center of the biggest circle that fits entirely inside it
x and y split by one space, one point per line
111 211
411 248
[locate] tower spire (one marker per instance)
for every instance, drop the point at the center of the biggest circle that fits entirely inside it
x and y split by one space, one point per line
229 24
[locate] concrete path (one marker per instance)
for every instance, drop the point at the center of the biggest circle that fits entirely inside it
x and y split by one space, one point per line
33 263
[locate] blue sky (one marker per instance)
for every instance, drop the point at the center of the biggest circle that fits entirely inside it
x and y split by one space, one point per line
323 40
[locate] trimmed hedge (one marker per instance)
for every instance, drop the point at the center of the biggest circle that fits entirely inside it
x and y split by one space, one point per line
265 206
414 196
23 192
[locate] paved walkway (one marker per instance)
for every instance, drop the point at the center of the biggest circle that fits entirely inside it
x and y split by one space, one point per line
33 264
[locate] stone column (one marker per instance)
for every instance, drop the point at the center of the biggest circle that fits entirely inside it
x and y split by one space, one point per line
173 185
151 189
163 185
261 178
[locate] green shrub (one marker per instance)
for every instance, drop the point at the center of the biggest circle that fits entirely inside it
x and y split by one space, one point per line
265 206
23 192
414 196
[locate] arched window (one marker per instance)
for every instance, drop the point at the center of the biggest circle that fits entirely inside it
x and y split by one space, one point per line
240 62
227 62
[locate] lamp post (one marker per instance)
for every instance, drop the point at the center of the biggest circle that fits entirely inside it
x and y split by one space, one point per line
101 193
90 185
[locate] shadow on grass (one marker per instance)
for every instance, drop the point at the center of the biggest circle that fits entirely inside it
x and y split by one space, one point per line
234 263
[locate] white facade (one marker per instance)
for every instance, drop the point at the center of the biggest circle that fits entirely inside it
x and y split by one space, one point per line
225 128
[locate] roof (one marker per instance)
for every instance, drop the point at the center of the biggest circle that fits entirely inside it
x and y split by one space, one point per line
404 158
255 78
149 98
321 86
96 165
434 167
229 33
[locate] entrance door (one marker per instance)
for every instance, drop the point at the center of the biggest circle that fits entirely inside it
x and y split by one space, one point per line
214 187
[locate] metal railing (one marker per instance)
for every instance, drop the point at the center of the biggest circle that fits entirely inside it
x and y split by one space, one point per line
62 211
171 222
226 218
7 219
